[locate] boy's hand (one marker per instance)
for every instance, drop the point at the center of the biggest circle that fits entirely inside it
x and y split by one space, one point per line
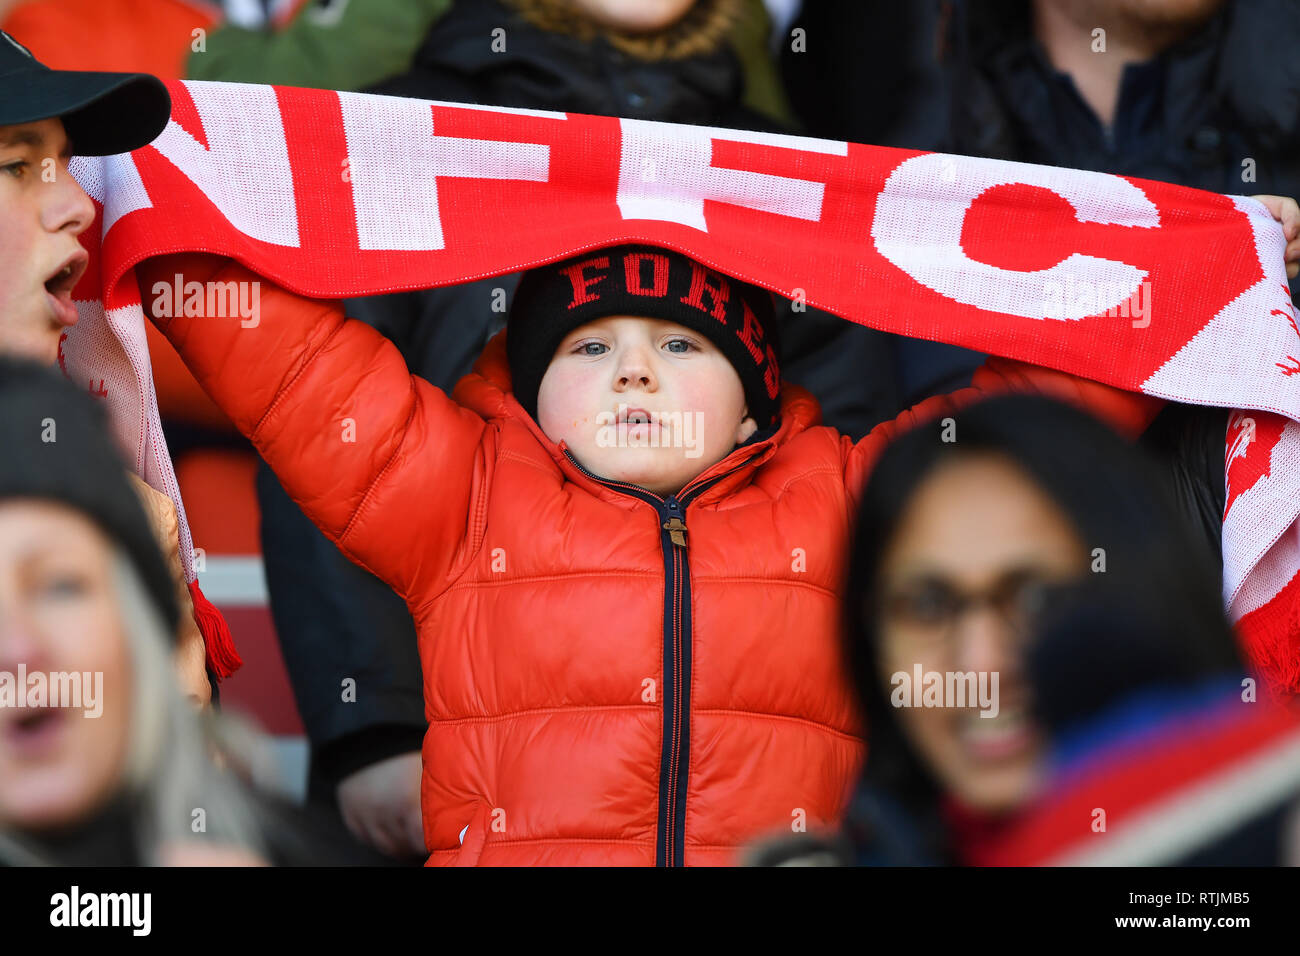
1287 212
381 806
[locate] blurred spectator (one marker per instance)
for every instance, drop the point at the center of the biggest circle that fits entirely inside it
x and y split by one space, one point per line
1201 93
101 760
148 36
1002 554
325 44
343 45
1181 91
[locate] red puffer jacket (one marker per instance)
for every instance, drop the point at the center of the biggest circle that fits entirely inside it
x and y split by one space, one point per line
610 677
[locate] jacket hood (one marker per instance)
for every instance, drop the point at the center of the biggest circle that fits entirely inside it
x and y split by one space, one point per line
486 391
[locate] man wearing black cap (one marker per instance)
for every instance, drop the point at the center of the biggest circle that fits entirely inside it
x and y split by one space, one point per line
45 117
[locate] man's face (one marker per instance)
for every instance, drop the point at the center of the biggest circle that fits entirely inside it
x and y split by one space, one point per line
43 210
1163 20
1164 13
644 401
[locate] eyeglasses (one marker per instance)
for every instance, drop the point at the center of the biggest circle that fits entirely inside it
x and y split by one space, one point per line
932 607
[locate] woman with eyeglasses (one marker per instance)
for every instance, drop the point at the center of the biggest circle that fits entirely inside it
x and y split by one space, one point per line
1026 622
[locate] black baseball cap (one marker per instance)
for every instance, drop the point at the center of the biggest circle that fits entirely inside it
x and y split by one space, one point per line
102 113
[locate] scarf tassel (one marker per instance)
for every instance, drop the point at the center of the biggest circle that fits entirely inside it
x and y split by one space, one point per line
222 658
1270 638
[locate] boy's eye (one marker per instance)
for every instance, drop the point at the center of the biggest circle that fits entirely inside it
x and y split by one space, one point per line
586 347
15 169
686 344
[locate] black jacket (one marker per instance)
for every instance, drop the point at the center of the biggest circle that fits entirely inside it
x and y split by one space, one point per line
967 76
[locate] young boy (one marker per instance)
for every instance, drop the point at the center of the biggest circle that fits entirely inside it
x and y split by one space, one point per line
621 540
45 116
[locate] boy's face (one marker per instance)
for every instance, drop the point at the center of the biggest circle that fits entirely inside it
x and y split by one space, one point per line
644 401
43 210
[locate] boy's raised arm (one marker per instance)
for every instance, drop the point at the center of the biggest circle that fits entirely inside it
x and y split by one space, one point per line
379 459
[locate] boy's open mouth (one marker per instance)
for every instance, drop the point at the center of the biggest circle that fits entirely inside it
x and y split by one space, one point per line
59 286
633 416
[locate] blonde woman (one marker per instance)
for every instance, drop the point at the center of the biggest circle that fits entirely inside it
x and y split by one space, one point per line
103 761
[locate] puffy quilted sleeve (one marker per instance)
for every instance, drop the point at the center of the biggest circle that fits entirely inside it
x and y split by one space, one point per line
382 461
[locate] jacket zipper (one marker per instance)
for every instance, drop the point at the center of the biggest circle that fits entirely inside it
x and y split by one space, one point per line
674 758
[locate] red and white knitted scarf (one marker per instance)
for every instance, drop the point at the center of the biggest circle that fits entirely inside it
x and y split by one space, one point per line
1150 287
